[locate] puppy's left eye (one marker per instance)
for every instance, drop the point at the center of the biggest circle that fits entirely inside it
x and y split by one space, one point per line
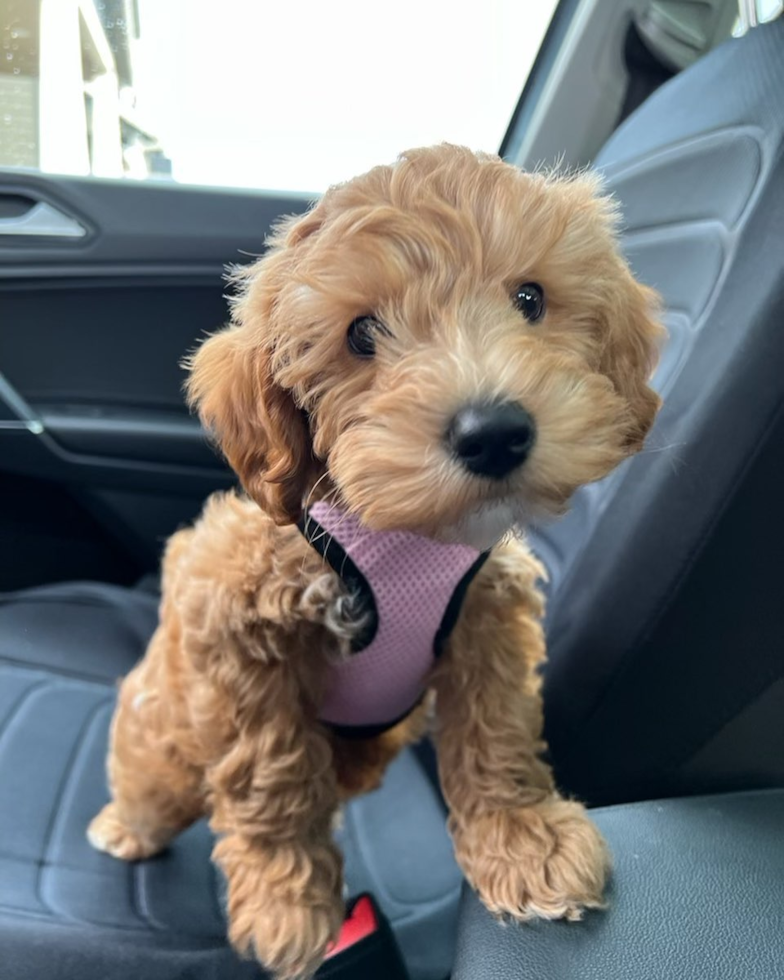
362 334
529 300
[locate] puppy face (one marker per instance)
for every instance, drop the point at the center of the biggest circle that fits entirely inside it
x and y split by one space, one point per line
452 344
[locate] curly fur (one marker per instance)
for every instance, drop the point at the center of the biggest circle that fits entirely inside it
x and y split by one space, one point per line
221 714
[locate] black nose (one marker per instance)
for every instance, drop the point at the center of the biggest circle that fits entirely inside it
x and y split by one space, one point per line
491 439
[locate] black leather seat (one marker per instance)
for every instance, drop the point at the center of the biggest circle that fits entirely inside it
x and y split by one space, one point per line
697 893
664 620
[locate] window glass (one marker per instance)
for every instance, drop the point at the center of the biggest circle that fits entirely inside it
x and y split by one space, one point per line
760 12
258 93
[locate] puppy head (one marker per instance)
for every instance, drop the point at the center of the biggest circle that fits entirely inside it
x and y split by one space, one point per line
450 342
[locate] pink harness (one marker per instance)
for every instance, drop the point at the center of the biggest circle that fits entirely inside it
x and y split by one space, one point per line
411 589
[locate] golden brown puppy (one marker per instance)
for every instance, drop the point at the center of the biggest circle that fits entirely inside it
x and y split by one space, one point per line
443 348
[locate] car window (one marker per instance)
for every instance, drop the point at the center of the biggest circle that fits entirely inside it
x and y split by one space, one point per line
756 12
283 96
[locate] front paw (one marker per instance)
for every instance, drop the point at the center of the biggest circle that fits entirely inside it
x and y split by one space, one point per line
547 861
286 916
288 938
108 833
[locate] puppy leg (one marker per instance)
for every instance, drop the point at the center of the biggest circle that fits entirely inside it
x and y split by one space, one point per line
155 793
527 851
274 796
360 763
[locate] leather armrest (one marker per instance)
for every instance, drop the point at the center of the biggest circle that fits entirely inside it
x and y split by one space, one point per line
697 894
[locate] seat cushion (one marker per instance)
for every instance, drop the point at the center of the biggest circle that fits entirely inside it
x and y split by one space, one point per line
67 911
697 894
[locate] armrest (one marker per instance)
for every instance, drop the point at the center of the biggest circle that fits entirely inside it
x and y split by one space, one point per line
697 894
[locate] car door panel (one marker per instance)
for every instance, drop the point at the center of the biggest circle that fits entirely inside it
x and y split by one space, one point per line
94 324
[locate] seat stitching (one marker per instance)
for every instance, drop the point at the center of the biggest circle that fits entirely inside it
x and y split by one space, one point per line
139 870
198 945
19 703
82 601
63 786
139 897
681 225
62 865
59 671
44 917
622 170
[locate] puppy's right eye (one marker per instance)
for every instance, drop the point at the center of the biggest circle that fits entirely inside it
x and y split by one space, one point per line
362 334
529 300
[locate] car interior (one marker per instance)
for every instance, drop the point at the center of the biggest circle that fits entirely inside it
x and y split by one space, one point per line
664 690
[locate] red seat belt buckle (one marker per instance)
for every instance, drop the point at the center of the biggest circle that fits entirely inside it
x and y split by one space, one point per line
366 948
361 922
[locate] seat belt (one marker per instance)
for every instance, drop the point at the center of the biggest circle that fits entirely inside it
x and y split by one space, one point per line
366 948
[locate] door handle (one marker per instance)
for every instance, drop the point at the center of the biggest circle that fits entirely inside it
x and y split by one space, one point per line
15 413
44 221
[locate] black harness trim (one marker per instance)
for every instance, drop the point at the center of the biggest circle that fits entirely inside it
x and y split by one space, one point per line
334 554
372 731
456 604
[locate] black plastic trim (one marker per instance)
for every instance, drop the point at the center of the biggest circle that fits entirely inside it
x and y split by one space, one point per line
537 77
130 434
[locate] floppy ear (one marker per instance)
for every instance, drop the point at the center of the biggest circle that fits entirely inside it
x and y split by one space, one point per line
631 351
627 312
262 433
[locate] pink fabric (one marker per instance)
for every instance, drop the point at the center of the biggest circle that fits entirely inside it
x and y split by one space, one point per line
412 578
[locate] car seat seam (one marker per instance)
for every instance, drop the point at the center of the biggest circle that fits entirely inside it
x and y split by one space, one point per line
56 809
